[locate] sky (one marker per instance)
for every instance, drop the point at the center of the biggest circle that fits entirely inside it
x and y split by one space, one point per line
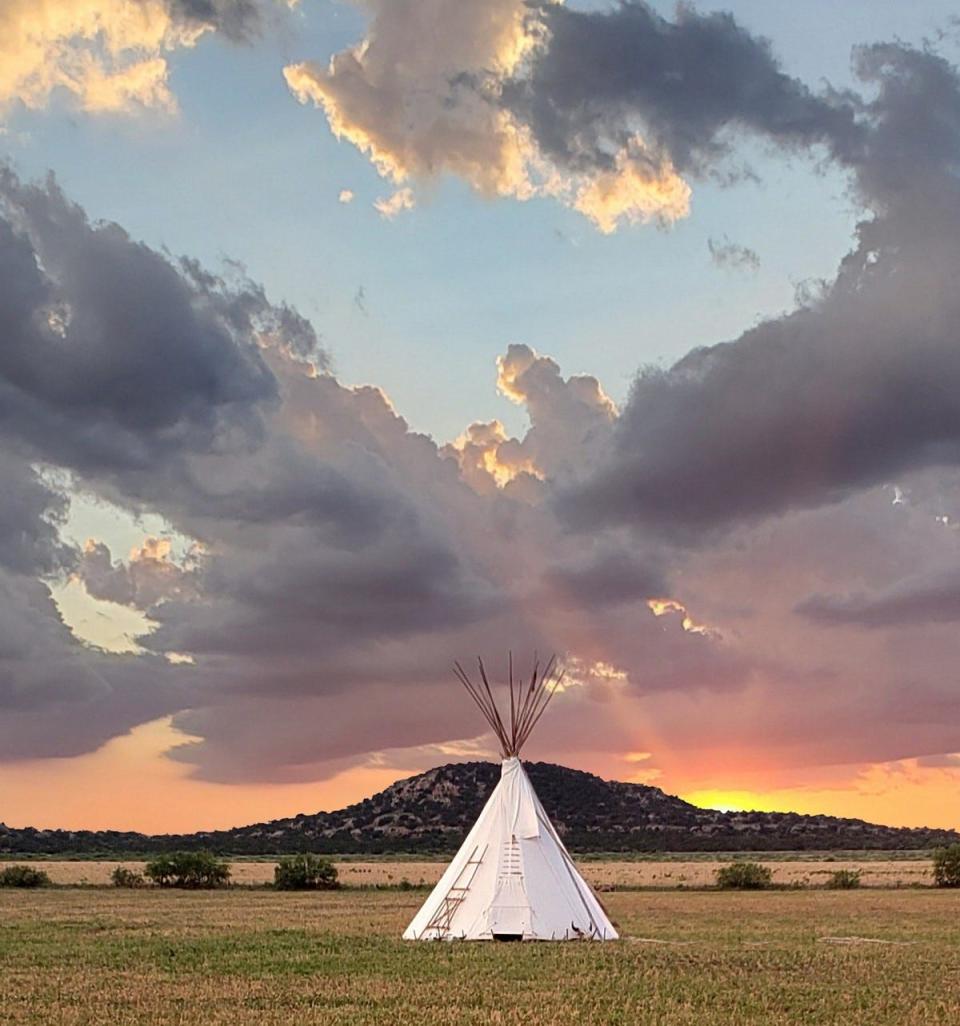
340 341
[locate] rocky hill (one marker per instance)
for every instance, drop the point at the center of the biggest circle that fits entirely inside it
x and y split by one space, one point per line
432 812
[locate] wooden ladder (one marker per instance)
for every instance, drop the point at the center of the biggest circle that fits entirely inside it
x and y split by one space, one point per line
453 899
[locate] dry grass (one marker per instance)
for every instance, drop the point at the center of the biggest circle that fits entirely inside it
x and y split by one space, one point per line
78 957
604 874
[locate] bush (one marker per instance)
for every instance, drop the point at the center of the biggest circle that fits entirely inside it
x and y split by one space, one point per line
946 866
844 880
23 876
744 876
123 877
305 873
193 869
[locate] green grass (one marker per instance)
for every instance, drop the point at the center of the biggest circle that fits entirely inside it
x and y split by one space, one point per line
245 957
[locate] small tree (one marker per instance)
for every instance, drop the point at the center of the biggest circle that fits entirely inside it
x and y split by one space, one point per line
946 866
194 869
744 876
305 873
124 877
23 876
844 880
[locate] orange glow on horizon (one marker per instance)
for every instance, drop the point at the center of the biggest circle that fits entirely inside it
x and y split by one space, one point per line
129 784
899 794
731 801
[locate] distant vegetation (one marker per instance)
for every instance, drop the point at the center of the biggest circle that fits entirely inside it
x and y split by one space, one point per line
193 869
946 866
124 877
431 814
844 880
23 876
305 873
744 876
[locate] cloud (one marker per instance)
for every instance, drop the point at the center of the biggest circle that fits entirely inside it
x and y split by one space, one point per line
421 96
239 20
940 762
610 112
413 94
489 459
609 576
190 375
342 559
732 255
570 418
690 85
148 578
857 384
59 698
31 515
164 388
345 196
338 557
109 55
926 600
401 200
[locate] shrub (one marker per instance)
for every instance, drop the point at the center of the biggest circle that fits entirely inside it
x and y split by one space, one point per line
305 873
744 876
123 877
946 866
844 880
193 869
23 876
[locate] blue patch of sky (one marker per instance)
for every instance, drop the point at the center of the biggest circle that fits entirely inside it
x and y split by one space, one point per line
248 173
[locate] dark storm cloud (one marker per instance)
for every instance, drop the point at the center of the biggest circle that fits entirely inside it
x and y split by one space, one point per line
59 697
928 600
112 357
607 577
147 579
239 20
906 160
290 593
30 515
686 85
861 383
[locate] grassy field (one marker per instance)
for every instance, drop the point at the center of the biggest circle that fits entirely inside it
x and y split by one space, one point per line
602 873
101 957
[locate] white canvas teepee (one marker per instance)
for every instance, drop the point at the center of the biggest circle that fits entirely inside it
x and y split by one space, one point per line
512 879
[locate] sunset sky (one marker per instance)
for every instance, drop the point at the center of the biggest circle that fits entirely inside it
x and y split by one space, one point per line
340 341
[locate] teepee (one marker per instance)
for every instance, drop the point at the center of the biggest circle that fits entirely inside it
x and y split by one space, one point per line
512 879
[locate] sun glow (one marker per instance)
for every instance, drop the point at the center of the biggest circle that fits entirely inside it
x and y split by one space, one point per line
730 801
661 607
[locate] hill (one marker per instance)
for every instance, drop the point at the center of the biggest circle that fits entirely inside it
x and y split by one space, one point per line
431 812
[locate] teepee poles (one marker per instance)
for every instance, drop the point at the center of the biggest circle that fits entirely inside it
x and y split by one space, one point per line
527 702
486 705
